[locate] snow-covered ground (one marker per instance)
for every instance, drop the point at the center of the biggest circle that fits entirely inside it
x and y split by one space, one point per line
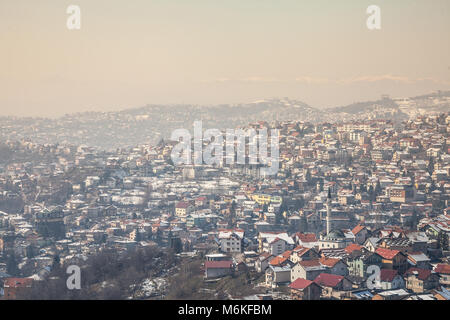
150 287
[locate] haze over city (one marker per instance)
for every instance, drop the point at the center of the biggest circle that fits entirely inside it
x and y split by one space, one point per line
222 158
129 54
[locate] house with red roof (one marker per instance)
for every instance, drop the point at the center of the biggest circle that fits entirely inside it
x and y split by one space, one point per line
390 280
443 270
183 208
308 240
335 266
353 247
200 201
14 287
333 286
393 259
301 253
361 234
302 289
279 261
421 280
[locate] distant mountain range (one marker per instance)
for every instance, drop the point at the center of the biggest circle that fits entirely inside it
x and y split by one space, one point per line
149 124
401 108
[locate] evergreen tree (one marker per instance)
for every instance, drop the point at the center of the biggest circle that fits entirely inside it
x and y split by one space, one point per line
371 193
56 262
176 245
443 240
362 188
303 223
138 236
414 220
232 215
378 188
430 168
279 215
12 267
299 203
308 176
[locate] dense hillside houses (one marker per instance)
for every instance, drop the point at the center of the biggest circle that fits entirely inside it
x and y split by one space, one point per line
358 209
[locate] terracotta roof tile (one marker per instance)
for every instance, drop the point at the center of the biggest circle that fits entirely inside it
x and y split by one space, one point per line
300 284
306 237
442 268
387 275
329 262
357 229
328 280
422 274
277 260
353 247
17 282
387 253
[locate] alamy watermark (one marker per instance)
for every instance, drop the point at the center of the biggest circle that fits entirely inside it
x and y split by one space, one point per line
232 146
374 20
74 19
374 279
74 280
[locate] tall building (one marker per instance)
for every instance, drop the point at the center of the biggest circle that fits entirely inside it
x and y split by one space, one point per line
329 212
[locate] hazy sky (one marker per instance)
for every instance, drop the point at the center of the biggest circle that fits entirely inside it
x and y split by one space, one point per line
137 52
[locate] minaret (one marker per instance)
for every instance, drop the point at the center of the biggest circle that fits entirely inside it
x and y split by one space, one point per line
329 212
